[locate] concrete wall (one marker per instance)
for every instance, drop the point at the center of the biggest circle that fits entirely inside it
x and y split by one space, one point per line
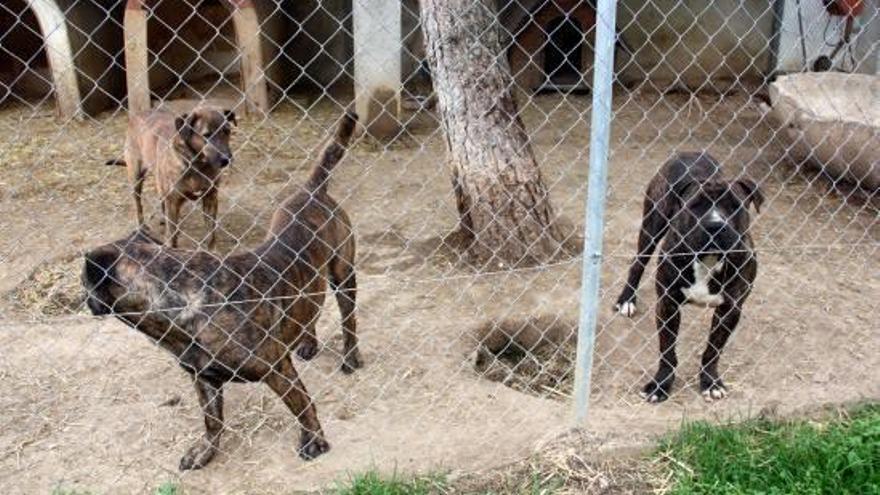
692 43
682 42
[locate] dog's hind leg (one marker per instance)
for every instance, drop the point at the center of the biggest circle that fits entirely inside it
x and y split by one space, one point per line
284 381
136 177
134 167
655 222
172 218
308 313
211 399
344 283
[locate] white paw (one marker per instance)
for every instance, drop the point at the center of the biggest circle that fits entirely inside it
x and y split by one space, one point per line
650 399
627 309
715 393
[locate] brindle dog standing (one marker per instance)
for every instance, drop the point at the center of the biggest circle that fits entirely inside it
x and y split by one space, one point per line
188 153
707 258
237 318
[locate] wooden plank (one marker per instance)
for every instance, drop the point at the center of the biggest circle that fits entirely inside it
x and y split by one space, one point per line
136 63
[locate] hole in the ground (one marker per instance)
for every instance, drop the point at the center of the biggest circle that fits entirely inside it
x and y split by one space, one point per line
534 355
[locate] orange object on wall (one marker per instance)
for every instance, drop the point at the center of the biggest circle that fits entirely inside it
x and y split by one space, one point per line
848 8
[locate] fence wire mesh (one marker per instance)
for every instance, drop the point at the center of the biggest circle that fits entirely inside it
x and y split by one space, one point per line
447 225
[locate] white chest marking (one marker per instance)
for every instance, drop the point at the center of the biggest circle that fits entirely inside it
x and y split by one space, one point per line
192 309
698 293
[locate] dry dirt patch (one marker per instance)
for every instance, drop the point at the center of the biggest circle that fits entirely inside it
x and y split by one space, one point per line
83 399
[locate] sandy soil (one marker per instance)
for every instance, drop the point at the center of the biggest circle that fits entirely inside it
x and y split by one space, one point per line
90 404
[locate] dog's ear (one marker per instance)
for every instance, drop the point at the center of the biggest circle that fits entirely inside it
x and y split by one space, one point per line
229 115
99 262
751 193
184 124
680 191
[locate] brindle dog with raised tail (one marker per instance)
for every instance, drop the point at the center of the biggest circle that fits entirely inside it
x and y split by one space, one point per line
707 258
187 154
236 318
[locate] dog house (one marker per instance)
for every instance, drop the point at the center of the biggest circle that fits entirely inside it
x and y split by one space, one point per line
200 48
553 46
36 57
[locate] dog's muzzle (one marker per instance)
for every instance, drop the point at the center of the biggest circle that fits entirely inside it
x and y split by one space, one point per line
95 306
719 236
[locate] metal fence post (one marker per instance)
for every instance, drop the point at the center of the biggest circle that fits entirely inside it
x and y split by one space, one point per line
600 128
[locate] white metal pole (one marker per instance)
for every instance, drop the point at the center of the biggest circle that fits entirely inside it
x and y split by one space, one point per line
600 129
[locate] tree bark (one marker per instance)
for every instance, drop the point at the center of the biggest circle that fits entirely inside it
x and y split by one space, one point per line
506 218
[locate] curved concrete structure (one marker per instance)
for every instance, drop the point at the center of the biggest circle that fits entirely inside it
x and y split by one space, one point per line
60 55
246 25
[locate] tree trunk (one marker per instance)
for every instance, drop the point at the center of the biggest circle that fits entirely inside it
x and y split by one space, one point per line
506 218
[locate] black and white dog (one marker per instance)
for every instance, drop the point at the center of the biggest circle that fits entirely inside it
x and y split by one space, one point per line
707 258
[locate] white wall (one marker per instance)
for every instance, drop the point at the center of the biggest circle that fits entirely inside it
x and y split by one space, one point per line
377 63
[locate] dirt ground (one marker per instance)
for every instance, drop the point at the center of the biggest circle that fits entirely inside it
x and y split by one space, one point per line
89 404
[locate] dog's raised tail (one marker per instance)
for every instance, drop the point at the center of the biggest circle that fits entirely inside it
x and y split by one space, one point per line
333 153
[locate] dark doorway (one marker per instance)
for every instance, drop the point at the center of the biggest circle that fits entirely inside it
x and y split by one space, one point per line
563 54
193 52
24 68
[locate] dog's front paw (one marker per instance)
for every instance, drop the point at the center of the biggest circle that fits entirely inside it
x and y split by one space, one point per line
655 392
351 362
627 309
713 391
626 305
312 445
198 456
307 350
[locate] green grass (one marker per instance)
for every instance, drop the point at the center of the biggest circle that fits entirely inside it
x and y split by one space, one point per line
371 483
64 491
840 456
168 488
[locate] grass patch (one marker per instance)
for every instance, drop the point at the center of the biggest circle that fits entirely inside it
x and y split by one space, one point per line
839 456
372 483
168 488
64 491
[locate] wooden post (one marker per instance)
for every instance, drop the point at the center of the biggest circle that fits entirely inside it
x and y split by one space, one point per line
247 37
377 49
137 78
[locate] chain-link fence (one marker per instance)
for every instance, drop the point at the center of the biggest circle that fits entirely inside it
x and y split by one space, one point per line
423 166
